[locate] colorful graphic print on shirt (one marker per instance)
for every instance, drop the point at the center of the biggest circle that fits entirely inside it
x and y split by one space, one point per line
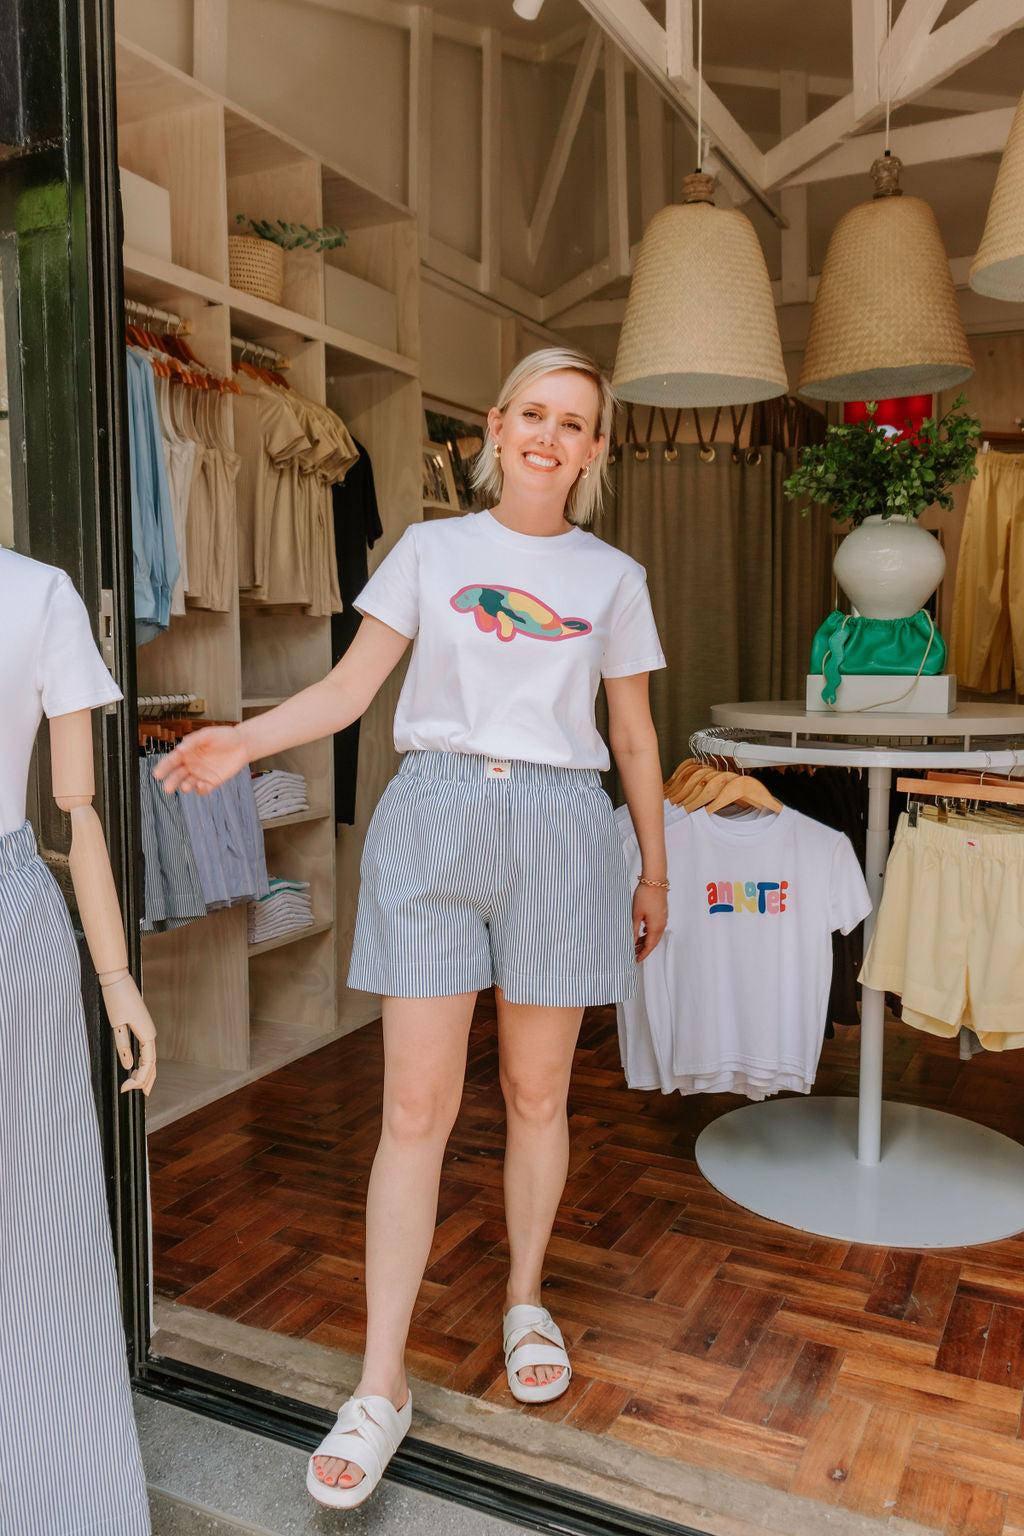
765 897
507 611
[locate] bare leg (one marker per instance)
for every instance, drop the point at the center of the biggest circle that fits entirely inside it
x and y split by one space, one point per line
425 1066
536 1048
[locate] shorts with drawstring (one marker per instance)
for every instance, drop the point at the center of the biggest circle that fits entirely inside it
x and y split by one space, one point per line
479 872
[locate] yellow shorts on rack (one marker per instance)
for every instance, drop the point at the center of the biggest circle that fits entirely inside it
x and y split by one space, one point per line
949 937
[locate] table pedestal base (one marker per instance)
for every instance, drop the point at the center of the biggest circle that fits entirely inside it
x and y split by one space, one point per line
943 1182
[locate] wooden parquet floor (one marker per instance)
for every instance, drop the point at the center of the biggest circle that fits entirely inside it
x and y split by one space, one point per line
880 1380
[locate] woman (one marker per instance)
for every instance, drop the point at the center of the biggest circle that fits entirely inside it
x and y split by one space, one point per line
492 857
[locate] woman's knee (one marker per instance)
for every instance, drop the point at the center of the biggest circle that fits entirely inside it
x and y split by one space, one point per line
536 1102
416 1117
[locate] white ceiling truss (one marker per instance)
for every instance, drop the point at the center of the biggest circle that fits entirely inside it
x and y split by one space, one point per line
910 66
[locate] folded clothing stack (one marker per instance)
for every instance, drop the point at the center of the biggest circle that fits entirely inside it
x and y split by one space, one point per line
288 906
278 793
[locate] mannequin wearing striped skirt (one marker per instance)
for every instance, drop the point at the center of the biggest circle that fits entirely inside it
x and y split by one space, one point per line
69 1455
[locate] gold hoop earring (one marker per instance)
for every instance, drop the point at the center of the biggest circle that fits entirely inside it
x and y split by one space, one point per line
496 450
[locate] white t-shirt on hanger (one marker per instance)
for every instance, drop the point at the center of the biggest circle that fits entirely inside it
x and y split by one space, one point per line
736 994
513 635
49 664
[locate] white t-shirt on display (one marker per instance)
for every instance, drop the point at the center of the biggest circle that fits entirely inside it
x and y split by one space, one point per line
49 664
736 994
513 634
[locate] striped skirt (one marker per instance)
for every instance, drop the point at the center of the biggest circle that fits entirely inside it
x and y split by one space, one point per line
69 1454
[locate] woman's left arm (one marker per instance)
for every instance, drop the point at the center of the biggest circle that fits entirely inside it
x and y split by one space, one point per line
634 745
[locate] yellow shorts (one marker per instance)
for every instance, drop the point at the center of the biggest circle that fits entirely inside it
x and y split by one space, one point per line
949 937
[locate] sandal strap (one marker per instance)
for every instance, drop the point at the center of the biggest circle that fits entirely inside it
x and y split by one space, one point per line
541 1322
535 1354
367 1432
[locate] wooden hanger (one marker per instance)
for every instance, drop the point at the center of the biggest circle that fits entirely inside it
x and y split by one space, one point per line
743 789
965 789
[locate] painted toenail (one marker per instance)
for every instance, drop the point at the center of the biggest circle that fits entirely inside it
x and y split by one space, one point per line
346 1477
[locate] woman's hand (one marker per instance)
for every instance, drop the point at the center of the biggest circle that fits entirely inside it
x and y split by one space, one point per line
650 915
203 760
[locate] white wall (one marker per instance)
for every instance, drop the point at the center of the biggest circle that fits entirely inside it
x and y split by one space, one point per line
336 83
460 349
163 27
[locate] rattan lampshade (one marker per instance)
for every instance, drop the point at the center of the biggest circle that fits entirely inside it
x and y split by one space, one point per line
700 325
886 320
998 268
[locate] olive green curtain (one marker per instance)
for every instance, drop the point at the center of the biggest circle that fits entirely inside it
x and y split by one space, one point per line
739 579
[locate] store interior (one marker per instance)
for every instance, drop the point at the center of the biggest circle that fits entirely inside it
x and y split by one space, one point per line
493 177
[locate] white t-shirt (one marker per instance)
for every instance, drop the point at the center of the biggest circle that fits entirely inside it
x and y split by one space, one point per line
513 635
736 994
49 663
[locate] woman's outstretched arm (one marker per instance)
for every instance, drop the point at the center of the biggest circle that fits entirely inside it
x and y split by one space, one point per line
208 757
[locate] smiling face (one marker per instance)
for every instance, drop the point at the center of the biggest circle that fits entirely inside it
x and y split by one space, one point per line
547 434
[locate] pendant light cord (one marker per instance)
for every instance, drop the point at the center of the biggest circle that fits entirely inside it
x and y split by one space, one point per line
888 74
700 83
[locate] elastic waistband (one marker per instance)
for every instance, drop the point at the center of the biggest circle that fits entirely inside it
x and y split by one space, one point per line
470 768
1008 847
17 848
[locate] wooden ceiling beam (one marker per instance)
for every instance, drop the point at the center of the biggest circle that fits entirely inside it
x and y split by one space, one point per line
586 66
951 138
952 46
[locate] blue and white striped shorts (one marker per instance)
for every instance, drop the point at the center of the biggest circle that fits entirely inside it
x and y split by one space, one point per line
472 878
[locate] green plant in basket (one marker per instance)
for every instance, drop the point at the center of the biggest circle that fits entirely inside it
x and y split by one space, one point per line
294 237
862 470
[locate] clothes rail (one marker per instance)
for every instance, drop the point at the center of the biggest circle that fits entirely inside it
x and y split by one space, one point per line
178 323
891 1174
277 360
152 705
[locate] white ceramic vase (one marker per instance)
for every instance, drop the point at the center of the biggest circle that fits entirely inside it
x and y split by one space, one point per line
888 567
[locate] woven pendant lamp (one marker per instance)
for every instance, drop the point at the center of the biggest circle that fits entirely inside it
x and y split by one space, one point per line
700 325
886 320
998 268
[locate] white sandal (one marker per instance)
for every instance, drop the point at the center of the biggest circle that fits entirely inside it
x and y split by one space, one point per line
516 1324
367 1432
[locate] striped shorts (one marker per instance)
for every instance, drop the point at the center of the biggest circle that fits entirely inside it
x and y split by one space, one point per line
476 873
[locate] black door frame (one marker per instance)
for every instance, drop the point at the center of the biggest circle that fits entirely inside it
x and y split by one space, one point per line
60 258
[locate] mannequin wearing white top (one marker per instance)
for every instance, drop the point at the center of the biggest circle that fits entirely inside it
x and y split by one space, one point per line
65 1378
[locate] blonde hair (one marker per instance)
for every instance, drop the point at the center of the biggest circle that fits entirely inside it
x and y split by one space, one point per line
587 495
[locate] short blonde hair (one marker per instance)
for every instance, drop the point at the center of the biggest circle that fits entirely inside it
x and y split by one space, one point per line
587 495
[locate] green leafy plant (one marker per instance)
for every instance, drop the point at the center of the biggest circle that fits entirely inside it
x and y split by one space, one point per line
861 469
294 237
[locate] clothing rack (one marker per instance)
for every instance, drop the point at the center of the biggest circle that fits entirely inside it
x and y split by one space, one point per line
152 705
276 360
813 1163
176 323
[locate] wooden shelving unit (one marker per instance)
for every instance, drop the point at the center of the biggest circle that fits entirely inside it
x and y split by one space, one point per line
228 1011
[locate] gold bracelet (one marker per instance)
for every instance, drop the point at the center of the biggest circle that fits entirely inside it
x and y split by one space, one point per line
659 885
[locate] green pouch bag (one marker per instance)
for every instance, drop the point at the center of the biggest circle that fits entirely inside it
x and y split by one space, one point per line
909 647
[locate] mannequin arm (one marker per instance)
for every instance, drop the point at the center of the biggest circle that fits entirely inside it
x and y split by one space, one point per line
91 875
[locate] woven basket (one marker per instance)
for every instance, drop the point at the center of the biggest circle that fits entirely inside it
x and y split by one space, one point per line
256 266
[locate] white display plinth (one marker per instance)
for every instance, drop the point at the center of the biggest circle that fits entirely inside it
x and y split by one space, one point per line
882 695
830 1160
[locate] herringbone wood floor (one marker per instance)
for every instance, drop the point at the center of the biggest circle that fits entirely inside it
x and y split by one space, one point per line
880 1380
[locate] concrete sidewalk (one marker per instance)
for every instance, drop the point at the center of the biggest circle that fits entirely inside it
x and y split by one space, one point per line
210 1479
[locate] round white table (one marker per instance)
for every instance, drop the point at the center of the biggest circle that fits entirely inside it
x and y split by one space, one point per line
893 1175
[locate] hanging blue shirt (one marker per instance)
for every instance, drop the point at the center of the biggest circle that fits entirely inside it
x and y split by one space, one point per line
154 550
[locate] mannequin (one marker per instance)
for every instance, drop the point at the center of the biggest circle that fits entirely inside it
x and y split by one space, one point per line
69 1454
74 787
